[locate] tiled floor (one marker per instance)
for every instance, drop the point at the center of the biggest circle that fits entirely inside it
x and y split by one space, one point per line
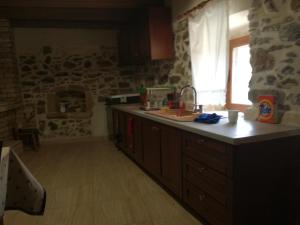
89 182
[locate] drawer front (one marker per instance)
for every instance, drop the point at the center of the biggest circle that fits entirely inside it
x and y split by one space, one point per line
209 152
215 184
202 203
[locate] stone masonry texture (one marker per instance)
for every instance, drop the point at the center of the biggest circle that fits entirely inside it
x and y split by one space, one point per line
98 73
275 56
9 82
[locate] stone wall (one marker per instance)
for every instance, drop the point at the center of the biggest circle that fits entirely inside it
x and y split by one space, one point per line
9 83
275 56
181 73
177 72
45 65
51 68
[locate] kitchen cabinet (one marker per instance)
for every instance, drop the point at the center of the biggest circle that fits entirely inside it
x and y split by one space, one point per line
225 184
129 46
121 141
128 139
155 147
151 147
171 158
162 154
137 140
128 146
207 172
238 185
147 36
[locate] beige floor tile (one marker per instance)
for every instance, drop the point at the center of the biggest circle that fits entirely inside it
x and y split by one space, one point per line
9 217
60 216
64 197
83 214
92 183
148 222
121 212
20 218
156 209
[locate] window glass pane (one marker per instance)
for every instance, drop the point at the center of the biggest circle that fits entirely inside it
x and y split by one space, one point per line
241 74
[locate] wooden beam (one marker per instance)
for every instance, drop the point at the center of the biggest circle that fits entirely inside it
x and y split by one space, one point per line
78 3
106 25
67 14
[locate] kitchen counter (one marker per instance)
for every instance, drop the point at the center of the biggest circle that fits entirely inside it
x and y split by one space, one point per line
242 132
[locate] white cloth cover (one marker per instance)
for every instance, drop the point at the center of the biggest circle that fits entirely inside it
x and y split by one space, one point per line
208 30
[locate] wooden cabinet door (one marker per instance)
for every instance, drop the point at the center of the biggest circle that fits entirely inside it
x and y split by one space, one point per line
115 122
151 144
147 36
129 134
138 148
125 45
122 130
130 45
160 33
171 158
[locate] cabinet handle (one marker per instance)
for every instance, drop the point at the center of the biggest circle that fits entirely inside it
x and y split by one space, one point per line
201 170
155 128
202 197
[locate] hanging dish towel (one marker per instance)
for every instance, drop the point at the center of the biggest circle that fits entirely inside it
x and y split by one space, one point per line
208 118
24 192
130 132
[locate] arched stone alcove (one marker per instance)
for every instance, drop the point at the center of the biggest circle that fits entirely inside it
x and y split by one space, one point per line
72 101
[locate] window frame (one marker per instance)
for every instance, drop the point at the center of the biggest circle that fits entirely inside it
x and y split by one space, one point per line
234 43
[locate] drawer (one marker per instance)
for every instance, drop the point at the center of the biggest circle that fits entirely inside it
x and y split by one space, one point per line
215 184
204 205
212 153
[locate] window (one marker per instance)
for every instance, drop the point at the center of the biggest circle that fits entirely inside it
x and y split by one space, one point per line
239 74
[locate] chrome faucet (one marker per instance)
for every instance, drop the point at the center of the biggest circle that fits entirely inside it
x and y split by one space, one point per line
196 109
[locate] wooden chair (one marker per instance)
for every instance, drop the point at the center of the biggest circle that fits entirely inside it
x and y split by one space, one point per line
29 137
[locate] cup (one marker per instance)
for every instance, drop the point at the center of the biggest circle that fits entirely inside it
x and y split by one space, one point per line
233 116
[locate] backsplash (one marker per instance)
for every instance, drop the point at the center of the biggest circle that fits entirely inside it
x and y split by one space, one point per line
275 53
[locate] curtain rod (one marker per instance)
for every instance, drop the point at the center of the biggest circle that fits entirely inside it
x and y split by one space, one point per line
190 11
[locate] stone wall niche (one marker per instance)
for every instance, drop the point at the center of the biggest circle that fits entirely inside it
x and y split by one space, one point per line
69 102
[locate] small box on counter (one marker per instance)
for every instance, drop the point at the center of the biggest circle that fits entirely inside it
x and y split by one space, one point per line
268 109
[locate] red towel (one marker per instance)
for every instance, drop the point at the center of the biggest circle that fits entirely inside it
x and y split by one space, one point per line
130 132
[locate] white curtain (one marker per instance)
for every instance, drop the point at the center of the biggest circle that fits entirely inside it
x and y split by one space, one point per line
208 29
